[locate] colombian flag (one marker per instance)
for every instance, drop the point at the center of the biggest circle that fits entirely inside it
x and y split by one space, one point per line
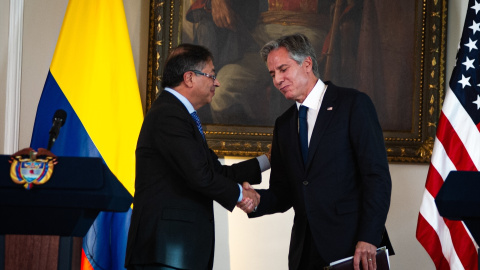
92 77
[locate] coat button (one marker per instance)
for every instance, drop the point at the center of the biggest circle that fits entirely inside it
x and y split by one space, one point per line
305 183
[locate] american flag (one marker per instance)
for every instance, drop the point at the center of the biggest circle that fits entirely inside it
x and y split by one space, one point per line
456 148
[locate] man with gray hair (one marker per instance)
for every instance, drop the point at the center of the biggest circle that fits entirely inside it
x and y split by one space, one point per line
328 162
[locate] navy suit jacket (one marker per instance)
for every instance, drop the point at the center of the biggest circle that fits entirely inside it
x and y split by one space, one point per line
343 191
177 179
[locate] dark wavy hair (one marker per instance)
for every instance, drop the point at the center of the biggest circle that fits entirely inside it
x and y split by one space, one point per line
298 47
182 59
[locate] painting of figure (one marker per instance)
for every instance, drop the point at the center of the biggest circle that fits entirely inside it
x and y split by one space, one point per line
364 44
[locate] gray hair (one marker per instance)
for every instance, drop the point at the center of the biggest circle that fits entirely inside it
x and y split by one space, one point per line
298 47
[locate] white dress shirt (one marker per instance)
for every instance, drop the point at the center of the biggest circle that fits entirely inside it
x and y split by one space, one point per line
313 102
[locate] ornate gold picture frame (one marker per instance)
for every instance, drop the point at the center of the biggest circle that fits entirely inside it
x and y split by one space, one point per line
409 135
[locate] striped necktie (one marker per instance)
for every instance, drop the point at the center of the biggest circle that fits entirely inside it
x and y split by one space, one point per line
199 125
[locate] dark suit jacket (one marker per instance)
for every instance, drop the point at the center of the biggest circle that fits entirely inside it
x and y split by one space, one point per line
177 179
344 189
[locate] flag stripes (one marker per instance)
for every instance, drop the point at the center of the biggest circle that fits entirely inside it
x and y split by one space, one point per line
456 148
92 77
432 243
448 243
463 126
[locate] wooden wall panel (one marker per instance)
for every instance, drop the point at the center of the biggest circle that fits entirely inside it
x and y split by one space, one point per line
35 252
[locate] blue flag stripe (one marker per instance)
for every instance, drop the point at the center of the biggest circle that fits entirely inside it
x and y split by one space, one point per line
51 100
464 81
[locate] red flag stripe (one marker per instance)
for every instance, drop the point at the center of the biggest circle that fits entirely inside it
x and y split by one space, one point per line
85 263
463 243
453 146
434 182
429 212
463 126
428 237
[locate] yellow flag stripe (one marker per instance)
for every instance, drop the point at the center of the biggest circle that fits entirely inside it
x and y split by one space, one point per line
94 67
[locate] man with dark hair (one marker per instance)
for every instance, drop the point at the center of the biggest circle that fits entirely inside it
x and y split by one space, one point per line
178 177
328 162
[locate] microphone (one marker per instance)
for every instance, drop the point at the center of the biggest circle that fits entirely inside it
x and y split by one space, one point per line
58 120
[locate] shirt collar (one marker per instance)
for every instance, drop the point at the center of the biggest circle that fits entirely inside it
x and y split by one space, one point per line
313 99
182 99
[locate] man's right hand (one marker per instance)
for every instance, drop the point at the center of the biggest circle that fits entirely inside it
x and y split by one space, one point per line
250 200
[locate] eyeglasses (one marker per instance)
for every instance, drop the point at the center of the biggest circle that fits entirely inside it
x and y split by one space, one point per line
213 77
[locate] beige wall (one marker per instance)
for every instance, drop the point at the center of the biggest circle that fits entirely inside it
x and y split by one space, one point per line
241 243
42 20
4 11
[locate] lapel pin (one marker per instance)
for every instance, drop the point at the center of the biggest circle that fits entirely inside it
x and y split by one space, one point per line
329 108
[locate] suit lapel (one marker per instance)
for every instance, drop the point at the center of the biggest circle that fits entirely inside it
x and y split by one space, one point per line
170 98
327 109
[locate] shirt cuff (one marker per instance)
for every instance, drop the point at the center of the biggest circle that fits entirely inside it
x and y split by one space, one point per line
263 162
240 197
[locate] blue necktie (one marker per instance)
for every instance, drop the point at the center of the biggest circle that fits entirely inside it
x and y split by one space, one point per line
303 131
199 125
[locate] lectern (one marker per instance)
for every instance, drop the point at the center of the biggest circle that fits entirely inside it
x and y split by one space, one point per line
459 199
66 205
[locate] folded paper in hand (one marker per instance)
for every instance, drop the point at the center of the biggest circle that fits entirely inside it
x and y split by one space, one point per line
383 262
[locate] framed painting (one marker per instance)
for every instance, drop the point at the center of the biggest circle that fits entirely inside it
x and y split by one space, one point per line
392 50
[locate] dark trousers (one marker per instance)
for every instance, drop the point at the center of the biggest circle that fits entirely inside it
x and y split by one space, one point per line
311 259
149 267
158 266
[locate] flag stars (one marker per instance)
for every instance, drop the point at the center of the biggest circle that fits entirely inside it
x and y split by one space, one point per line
476 7
469 63
471 45
465 81
477 102
475 27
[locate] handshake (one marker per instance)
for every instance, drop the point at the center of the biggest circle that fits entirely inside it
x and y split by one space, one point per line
250 200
